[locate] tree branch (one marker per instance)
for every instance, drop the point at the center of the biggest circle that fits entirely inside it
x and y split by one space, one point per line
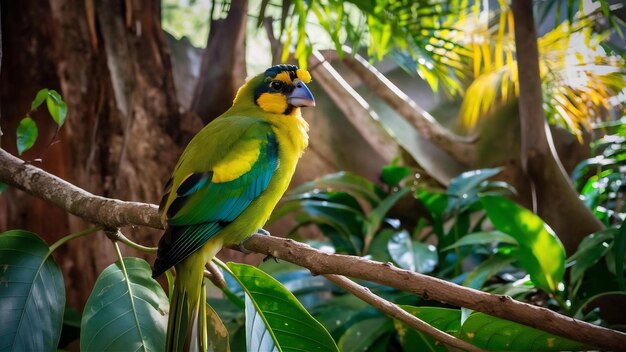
460 148
115 213
398 313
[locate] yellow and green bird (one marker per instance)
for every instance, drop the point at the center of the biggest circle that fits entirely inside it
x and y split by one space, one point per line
225 186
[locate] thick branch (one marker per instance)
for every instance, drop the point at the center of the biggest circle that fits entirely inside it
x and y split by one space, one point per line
460 148
116 213
396 312
353 106
99 210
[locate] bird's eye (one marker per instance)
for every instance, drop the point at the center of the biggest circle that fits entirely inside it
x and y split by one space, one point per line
277 86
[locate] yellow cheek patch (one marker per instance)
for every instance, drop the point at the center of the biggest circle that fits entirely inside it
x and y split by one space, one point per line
303 75
237 162
272 103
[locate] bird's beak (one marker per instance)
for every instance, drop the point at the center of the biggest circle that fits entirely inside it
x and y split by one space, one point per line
301 95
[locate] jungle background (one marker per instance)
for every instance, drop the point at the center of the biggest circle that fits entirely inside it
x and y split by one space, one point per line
411 97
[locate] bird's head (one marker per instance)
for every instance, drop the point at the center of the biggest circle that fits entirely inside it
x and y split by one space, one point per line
280 89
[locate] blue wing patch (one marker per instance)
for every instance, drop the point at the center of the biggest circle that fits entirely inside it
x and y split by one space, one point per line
203 208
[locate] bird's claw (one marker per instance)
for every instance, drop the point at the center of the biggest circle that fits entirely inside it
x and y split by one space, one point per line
262 232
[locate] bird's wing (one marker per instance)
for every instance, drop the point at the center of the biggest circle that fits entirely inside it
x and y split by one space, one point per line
203 201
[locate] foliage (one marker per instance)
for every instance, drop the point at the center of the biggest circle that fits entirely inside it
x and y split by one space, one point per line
580 74
601 179
27 131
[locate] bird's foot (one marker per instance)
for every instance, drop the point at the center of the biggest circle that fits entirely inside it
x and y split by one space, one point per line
263 232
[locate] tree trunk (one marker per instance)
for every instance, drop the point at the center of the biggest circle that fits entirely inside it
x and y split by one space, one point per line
122 136
223 68
554 198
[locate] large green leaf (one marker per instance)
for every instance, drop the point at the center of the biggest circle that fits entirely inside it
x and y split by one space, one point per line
448 320
541 253
497 334
412 255
275 320
590 250
488 237
32 294
126 310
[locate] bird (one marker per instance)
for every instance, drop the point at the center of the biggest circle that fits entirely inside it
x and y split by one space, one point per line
224 187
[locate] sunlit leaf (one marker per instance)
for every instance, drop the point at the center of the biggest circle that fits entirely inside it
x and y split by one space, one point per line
39 99
275 320
56 107
541 253
32 294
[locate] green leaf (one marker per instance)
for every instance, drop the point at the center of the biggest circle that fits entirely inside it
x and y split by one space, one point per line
463 189
391 175
344 181
412 255
32 294
541 253
39 98
3 187
444 319
488 237
485 270
376 216
275 320
26 134
56 107
363 334
491 333
619 248
126 310
590 250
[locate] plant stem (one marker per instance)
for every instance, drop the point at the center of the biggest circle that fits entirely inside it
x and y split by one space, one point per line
398 313
72 236
119 236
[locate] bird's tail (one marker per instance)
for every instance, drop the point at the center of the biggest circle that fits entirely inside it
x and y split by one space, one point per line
186 326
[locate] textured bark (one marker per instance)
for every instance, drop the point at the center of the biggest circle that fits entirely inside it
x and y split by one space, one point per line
554 198
122 134
49 188
223 68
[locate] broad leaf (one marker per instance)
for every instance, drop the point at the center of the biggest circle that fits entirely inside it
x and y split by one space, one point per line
541 253
590 250
412 255
126 311
275 320
497 334
32 294
27 133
